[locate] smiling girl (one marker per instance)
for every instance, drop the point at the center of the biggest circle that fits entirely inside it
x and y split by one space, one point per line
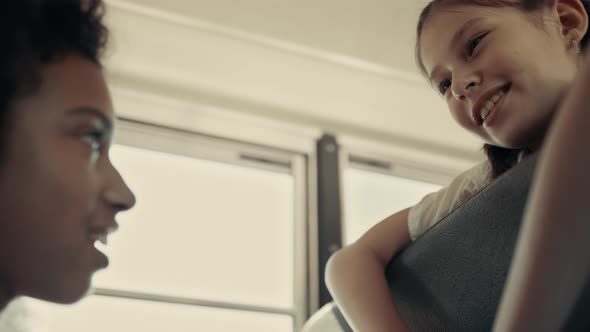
59 192
504 68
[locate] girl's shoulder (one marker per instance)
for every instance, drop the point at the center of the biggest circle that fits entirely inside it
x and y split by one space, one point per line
437 205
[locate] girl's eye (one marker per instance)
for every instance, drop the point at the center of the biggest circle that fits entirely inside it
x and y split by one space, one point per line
444 86
94 139
472 44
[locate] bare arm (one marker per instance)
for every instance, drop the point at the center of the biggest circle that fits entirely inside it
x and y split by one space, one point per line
551 262
355 276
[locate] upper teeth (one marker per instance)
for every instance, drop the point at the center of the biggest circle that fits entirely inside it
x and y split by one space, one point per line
489 105
102 238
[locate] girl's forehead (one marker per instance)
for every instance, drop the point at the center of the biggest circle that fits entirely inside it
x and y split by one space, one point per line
449 20
446 28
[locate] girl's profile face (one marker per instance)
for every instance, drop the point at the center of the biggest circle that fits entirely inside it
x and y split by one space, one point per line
59 192
500 72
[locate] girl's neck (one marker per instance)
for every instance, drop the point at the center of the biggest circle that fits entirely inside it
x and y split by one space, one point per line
535 147
5 298
537 144
6 293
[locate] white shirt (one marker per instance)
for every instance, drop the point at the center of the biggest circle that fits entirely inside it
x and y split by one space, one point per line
435 206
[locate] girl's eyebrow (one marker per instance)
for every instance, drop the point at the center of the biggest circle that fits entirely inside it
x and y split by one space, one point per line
457 37
95 113
461 32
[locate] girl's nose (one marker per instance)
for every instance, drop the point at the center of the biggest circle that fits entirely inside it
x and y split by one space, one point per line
118 194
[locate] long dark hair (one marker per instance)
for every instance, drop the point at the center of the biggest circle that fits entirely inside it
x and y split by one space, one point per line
501 159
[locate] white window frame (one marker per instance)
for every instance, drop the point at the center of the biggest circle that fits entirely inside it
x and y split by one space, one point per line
183 142
399 161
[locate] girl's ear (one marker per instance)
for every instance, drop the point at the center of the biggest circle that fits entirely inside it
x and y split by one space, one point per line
573 18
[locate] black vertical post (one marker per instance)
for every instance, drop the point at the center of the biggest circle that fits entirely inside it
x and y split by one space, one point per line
329 208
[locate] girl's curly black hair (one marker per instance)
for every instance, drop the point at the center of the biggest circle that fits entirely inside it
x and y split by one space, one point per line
34 33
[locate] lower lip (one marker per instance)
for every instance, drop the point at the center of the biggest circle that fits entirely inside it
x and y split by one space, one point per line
489 120
102 259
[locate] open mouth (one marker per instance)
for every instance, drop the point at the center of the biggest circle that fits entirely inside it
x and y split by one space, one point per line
492 106
100 249
98 241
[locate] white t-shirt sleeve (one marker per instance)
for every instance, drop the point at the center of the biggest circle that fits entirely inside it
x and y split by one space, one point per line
435 206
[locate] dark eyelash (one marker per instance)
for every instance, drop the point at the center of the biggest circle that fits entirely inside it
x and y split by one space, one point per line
441 87
98 135
97 138
473 43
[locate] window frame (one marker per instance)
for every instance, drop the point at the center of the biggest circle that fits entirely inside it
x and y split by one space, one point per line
187 143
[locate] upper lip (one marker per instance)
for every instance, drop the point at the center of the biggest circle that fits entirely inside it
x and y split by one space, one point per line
481 101
97 231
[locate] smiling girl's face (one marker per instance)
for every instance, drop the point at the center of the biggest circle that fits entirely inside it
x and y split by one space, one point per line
502 71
